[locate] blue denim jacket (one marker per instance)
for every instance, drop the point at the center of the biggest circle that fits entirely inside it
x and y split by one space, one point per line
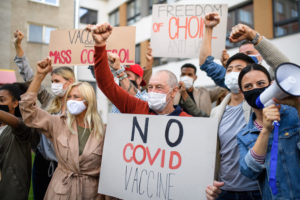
288 163
215 71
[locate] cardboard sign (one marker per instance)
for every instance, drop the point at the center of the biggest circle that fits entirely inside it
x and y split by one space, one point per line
7 76
158 157
76 47
178 30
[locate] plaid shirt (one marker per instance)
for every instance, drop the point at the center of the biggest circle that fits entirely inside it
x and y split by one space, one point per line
141 95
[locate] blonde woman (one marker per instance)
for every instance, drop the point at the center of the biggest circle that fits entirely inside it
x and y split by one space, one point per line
77 136
45 160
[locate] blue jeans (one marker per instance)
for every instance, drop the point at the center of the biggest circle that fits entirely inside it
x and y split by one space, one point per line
246 195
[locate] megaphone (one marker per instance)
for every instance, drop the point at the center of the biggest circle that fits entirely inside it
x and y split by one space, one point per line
287 83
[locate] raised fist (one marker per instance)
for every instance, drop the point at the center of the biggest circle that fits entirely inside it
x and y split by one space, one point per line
224 58
44 66
211 20
18 37
241 32
100 33
114 60
149 58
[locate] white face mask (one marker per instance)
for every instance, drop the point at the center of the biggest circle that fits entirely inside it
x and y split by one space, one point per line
75 107
188 81
157 101
58 89
231 81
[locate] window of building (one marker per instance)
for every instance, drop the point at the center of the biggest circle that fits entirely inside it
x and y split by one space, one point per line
87 16
114 18
50 2
286 17
138 54
133 11
151 2
241 14
39 33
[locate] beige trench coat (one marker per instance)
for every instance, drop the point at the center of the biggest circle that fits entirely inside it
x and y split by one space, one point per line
76 177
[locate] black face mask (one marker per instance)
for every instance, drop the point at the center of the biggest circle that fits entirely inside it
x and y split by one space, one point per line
4 108
134 83
17 112
251 96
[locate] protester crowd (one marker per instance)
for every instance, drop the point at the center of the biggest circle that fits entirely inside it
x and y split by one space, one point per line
67 134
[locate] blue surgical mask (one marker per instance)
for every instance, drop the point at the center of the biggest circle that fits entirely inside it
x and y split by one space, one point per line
254 58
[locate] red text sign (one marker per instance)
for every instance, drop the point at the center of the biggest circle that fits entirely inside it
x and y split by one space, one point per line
178 30
158 157
76 47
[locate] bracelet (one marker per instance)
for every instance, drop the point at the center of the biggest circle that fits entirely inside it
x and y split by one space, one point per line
122 77
119 71
255 39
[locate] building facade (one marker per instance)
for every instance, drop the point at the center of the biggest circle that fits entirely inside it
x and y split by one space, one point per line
278 20
36 19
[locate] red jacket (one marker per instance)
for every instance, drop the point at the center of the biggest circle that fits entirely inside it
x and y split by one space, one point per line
118 96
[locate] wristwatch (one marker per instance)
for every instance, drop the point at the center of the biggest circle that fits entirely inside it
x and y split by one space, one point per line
255 39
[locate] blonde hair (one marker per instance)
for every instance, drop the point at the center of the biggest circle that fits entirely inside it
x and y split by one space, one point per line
68 74
92 118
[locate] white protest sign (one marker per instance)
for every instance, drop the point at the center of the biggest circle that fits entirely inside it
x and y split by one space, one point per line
158 157
178 30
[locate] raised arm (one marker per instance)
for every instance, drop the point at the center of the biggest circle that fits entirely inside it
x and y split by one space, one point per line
119 97
148 68
206 61
271 54
26 71
125 83
32 115
211 20
20 60
18 40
